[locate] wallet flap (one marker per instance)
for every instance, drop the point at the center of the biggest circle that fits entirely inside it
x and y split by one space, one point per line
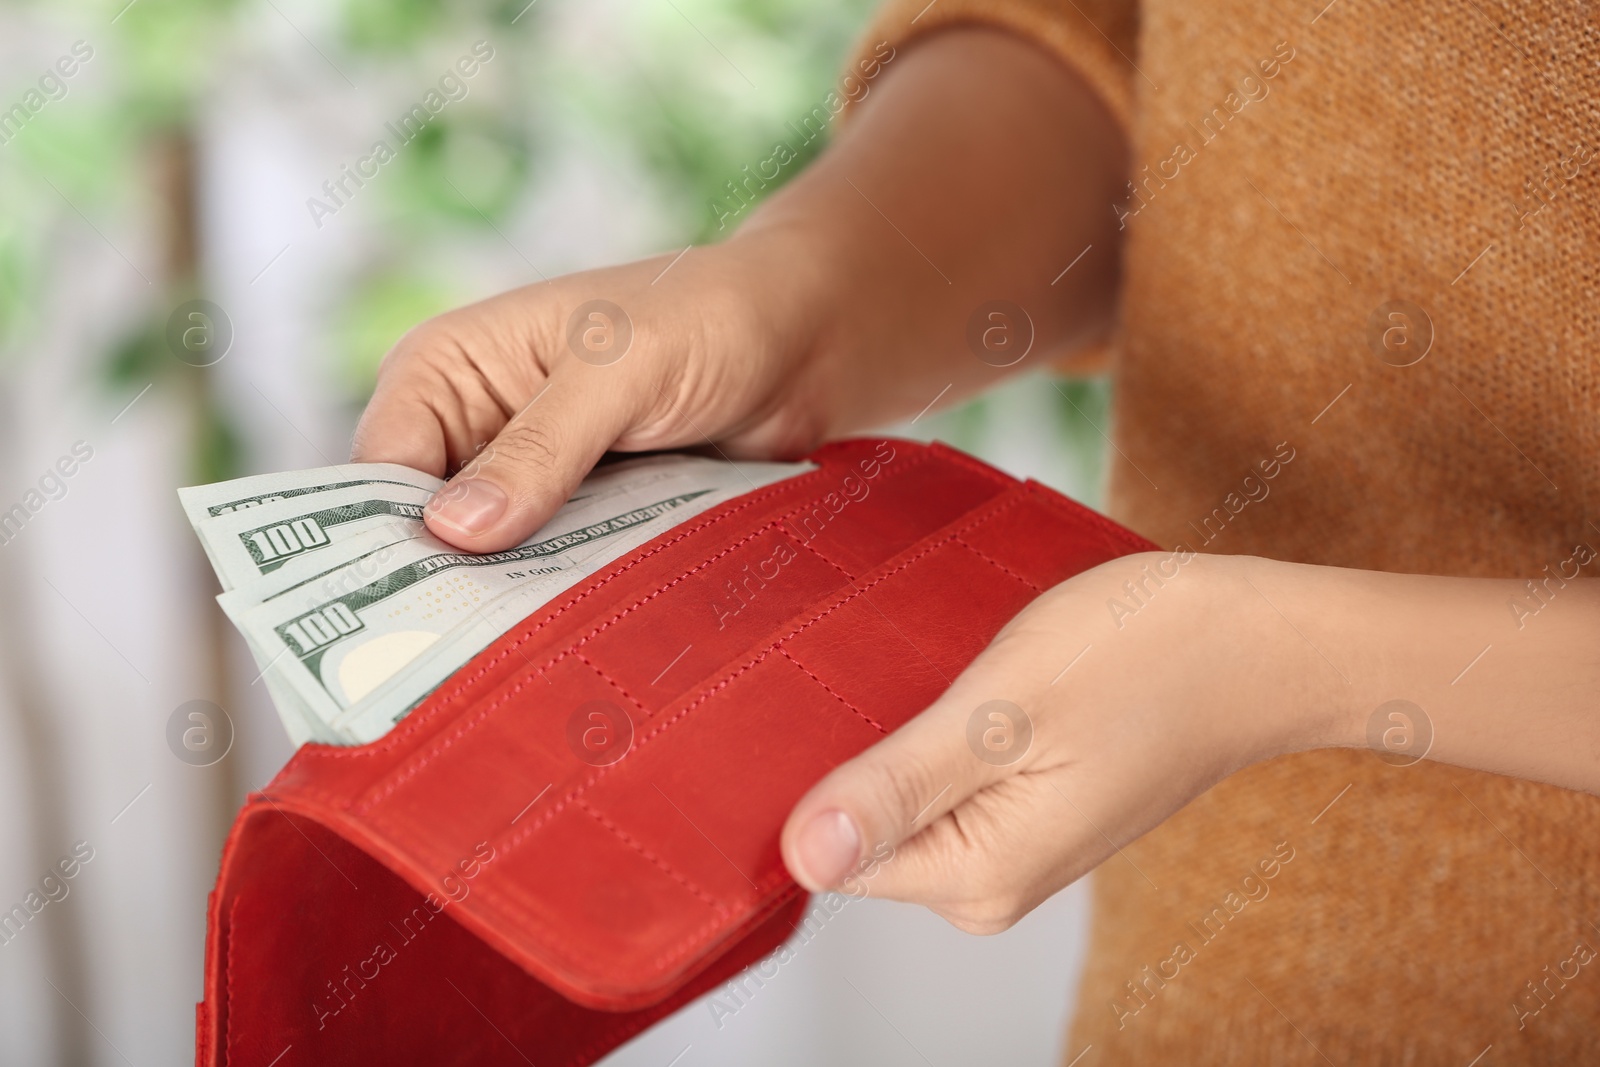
598 795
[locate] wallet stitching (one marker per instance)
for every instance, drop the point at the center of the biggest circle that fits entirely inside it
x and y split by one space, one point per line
687 882
467 725
227 965
824 557
760 657
1008 484
558 947
795 530
612 682
1076 512
516 838
677 876
959 457
886 618
550 941
670 955
775 523
869 720
981 554
809 543
696 937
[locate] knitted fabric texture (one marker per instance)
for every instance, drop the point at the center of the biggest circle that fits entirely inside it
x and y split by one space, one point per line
1322 192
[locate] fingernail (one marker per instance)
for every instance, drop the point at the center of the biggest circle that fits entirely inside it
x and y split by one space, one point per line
827 848
471 506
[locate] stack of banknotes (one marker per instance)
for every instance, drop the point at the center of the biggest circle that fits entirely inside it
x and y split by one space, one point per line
355 612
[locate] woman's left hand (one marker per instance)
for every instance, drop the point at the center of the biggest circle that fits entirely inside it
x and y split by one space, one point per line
1085 724
1076 731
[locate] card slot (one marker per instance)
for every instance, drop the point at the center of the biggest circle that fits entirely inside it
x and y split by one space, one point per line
898 658
711 802
910 492
710 617
507 764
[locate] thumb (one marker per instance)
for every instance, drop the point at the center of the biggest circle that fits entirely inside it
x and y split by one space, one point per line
901 786
531 467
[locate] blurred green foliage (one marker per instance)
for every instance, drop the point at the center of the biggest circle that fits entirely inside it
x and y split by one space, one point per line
689 90
700 88
686 91
1083 421
376 314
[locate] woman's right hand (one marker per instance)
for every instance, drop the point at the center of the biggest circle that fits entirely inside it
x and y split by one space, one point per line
520 394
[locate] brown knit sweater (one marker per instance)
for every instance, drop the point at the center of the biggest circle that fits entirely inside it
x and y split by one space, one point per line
1297 168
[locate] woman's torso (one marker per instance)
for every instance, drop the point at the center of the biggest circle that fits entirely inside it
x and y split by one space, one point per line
1328 196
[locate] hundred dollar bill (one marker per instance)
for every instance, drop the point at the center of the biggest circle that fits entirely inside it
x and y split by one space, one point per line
318 532
299 722
364 555
363 643
360 528
205 503
320 529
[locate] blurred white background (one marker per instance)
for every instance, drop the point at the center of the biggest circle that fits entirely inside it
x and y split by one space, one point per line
176 162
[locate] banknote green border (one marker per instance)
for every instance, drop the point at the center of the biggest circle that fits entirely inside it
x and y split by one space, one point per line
246 502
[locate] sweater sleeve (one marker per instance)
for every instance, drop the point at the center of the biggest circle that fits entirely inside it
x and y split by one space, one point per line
1096 38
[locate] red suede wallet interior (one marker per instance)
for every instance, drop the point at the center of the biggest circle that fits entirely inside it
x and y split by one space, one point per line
578 832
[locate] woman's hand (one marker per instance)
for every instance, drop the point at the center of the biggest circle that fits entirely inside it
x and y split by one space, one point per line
523 392
845 301
1134 712
1069 736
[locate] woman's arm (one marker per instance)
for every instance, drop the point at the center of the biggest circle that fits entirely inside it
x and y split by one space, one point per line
1504 673
976 169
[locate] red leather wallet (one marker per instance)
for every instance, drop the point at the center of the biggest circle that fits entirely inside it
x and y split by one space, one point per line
578 833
